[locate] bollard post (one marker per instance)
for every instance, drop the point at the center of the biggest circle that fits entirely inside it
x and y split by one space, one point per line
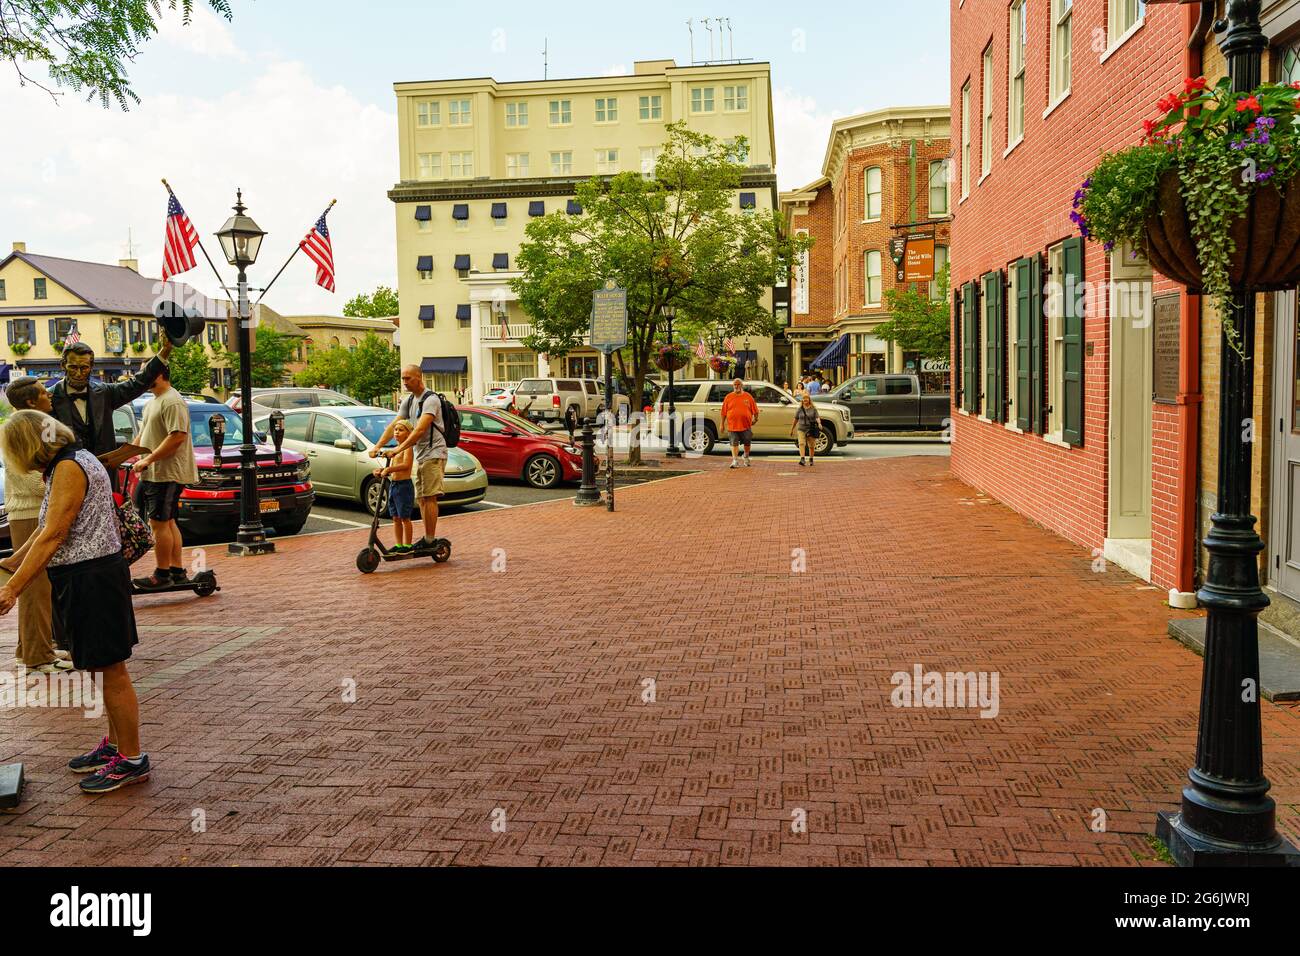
588 493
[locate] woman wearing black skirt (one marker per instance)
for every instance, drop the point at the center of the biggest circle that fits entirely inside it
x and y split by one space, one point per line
77 543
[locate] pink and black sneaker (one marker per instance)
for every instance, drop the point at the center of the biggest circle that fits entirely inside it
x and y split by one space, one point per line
99 757
118 772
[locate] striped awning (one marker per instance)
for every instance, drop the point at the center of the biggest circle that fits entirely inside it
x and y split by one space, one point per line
834 355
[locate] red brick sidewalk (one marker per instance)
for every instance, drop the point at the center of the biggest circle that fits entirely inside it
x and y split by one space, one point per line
521 691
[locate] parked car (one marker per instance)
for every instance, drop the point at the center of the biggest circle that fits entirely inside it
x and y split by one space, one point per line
698 406
265 399
889 402
512 447
499 398
566 400
337 440
212 507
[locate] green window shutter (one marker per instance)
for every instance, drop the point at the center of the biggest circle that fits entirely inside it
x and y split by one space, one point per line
1072 309
959 343
994 348
1037 356
54 334
971 340
1024 316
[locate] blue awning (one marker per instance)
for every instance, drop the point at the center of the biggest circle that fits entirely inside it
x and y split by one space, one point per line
424 264
462 311
746 356
460 210
462 261
748 201
446 363
574 208
4 372
423 213
498 210
537 207
834 355
426 313
500 260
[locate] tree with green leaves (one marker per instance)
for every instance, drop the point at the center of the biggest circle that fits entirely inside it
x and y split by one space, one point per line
85 45
376 369
382 304
331 367
274 351
190 369
674 239
919 323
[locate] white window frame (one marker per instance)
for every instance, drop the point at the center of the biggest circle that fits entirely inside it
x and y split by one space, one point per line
560 113
562 162
516 165
428 114
868 194
428 165
699 100
1061 53
871 282
938 267
1017 43
986 116
460 164
607 160
650 108
965 140
1055 340
652 154
460 112
517 114
608 106
1123 19
941 168
735 99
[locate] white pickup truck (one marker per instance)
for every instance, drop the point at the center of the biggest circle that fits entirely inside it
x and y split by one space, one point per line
567 400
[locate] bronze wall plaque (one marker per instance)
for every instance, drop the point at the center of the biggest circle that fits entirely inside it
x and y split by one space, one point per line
1165 348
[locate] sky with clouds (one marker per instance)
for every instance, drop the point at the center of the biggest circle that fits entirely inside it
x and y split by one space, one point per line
292 101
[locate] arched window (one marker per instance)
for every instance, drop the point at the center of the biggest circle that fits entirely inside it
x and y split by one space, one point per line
871 193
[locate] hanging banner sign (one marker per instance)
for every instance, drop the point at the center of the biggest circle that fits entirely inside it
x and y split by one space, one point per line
918 258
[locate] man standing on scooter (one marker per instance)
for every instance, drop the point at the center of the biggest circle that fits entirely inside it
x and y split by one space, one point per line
424 408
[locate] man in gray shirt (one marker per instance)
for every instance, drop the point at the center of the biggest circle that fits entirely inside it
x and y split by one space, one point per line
423 409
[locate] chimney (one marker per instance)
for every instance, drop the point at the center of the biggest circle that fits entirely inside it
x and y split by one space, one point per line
20 247
132 264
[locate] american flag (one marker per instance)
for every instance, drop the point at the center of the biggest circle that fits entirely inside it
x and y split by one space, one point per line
505 332
73 336
701 350
729 345
179 243
320 251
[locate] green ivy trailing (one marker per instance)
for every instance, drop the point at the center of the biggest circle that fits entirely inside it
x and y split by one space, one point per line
1224 146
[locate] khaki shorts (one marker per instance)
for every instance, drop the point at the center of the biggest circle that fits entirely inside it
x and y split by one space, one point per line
427 478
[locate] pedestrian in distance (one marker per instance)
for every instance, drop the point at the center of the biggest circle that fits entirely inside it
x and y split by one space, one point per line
24 491
164 473
814 386
401 490
423 408
739 413
78 543
807 422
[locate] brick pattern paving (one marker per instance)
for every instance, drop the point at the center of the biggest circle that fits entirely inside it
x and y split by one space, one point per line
521 690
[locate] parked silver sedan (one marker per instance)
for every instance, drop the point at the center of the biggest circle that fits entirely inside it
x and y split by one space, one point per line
336 440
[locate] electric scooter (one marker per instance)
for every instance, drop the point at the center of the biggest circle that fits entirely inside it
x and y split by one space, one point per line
369 557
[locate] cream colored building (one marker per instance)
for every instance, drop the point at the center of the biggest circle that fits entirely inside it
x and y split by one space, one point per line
478 158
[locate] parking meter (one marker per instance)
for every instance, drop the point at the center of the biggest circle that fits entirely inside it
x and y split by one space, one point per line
277 432
217 432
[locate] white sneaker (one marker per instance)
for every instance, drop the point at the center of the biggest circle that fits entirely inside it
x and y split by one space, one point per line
746 461
62 654
53 667
734 464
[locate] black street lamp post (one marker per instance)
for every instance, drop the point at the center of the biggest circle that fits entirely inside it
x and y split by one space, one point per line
1227 817
241 238
672 451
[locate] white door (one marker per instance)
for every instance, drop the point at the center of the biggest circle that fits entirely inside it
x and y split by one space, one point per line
1129 498
1284 531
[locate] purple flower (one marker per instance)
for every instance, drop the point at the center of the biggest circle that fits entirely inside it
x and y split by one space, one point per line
1087 184
1266 121
1108 246
1265 176
1236 144
1262 137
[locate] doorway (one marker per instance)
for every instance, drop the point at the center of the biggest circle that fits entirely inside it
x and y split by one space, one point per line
1128 499
1284 499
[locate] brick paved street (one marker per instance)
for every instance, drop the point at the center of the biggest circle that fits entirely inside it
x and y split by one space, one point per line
522 690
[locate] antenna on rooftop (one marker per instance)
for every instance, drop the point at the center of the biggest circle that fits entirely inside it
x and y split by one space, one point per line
731 41
546 65
709 27
691 30
129 248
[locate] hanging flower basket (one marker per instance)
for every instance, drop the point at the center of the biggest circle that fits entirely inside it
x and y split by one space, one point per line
672 357
1211 194
722 364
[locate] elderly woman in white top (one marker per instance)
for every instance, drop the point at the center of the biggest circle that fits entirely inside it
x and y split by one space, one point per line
79 545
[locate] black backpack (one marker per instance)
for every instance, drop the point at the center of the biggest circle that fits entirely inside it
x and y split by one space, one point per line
450 421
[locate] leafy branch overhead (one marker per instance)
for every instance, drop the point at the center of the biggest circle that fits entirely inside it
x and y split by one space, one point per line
917 322
85 45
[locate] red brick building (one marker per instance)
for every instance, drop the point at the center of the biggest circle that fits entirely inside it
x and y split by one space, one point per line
1053 406
885 176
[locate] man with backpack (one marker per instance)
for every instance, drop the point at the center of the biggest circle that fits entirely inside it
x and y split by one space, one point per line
428 439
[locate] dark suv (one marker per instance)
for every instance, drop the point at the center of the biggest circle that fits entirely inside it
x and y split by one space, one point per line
212 506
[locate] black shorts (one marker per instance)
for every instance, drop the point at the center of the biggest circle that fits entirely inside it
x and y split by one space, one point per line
91 607
159 500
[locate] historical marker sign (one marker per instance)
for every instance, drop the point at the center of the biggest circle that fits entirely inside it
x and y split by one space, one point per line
1165 348
609 317
918 257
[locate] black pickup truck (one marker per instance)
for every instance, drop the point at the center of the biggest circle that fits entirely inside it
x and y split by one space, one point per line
889 403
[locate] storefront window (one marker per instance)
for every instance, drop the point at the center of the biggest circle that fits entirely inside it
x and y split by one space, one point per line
512 366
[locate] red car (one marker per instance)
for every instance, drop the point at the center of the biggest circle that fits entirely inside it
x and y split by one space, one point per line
509 447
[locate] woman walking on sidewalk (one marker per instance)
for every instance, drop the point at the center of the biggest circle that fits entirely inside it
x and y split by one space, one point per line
807 422
79 543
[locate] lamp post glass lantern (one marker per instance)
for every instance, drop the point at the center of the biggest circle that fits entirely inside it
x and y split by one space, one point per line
241 239
670 313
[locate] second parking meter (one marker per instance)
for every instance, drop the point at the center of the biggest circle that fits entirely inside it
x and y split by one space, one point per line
277 432
217 431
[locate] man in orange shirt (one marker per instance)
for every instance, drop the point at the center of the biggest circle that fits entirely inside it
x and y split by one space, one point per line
739 412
